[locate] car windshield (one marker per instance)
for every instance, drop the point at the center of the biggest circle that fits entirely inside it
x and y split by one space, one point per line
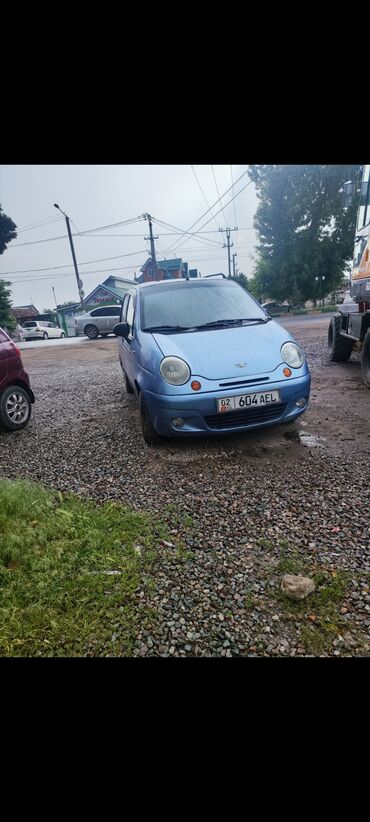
190 305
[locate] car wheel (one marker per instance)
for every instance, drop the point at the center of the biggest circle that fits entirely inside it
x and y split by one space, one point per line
62 336
150 435
15 408
128 385
92 332
365 359
339 347
45 336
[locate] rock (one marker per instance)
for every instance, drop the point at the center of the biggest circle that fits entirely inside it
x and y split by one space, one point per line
297 587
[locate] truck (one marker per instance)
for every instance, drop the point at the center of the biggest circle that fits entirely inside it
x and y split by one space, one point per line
349 329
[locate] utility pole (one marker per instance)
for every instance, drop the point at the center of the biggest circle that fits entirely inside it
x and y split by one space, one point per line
228 245
234 267
56 304
79 282
152 246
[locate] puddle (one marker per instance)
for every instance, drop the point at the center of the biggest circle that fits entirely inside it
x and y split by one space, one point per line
310 440
304 438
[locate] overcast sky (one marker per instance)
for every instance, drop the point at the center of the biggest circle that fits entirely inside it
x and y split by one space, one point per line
98 196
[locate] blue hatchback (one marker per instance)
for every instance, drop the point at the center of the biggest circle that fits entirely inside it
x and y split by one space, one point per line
204 358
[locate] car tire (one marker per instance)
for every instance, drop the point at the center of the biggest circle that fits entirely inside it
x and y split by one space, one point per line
365 359
128 386
339 347
92 332
45 336
15 408
150 435
62 336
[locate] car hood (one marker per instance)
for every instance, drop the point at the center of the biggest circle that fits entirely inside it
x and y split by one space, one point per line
225 353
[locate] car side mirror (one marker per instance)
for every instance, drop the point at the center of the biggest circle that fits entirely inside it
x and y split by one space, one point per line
121 330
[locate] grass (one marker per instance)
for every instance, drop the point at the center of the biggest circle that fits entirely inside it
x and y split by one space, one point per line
319 613
57 597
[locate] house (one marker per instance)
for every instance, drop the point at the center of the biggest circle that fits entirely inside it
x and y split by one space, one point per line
23 313
111 290
167 270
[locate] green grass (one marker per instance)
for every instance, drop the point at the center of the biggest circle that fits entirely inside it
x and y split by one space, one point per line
56 598
329 309
317 635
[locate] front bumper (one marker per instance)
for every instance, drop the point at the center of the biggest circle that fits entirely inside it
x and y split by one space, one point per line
199 411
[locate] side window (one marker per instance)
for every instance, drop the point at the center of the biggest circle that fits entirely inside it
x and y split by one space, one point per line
124 309
130 313
113 311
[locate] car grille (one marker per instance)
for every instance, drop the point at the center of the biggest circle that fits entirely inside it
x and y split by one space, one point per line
233 419
254 381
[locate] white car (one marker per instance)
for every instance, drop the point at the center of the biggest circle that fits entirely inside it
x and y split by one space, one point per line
41 330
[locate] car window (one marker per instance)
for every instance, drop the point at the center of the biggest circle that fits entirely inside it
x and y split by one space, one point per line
130 312
112 311
192 304
51 325
3 337
29 325
124 309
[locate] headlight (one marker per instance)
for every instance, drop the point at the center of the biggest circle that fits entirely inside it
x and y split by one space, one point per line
174 370
292 355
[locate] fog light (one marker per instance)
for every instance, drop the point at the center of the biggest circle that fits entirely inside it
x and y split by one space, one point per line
301 403
178 422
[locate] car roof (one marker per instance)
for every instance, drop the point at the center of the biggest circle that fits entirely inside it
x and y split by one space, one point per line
197 281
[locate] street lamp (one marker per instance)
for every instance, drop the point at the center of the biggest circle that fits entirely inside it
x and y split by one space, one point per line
79 282
319 280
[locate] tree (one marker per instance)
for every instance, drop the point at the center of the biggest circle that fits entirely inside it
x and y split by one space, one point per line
7 319
7 230
304 231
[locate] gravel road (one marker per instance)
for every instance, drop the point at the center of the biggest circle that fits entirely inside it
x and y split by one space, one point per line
243 508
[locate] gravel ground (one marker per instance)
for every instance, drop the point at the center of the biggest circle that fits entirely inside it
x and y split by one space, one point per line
241 509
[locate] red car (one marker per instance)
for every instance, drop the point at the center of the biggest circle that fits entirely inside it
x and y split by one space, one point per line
16 396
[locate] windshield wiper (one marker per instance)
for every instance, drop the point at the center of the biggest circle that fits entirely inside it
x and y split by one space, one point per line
163 329
230 323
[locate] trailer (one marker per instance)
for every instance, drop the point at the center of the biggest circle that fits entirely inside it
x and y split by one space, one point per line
349 329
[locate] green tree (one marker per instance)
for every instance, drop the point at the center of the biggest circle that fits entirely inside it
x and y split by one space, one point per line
7 230
7 319
304 231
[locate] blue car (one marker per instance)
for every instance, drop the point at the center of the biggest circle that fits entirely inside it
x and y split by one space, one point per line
203 357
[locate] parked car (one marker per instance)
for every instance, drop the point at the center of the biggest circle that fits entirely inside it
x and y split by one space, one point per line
16 396
98 321
275 308
41 330
203 357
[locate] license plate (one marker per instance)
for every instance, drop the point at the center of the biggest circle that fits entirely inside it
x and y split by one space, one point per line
260 399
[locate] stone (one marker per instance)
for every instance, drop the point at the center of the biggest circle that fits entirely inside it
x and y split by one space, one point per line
297 587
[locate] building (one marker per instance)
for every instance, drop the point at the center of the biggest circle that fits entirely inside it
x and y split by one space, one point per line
167 270
23 313
111 290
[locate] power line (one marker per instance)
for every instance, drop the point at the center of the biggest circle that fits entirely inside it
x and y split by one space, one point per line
181 232
40 224
235 222
218 212
214 177
204 196
80 234
206 212
87 262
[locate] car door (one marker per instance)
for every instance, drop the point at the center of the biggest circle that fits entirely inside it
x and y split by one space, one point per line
52 330
113 314
128 347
